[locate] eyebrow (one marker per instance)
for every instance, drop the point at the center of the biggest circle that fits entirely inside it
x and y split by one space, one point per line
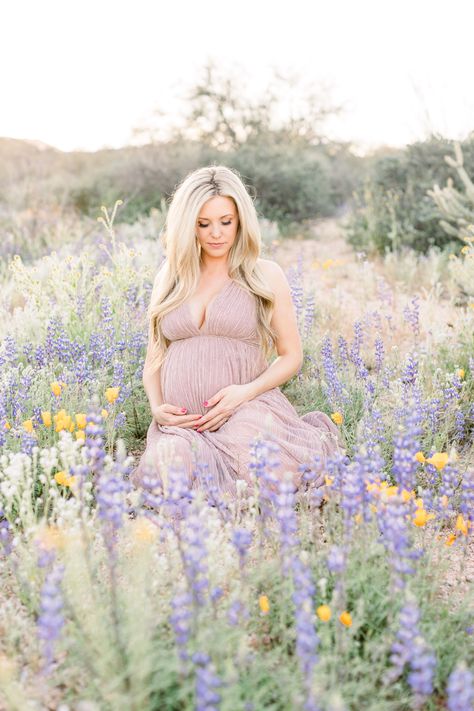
229 214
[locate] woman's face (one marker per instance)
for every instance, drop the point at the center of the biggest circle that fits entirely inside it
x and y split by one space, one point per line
217 226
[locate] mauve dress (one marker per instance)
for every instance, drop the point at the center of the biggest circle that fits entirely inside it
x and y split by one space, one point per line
201 361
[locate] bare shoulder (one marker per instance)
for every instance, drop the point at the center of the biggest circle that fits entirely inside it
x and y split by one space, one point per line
273 273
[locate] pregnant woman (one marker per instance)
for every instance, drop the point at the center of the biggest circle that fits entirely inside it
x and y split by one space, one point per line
216 313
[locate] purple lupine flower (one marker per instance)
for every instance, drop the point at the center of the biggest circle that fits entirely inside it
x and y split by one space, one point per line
6 534
343 350
296 289
409 374
336 559
40 356
94 445
396 539
28 442
286 517
50 620
423 664
353 496
10 349
450 479
460 688
379 354
207 681
264 458
466 505
180 620
451 390
332 387
28 352
242 538
203 473
216 593
406 444
433 412
80 305
355 355
308 315
401 649
307 639
412 316
460 421
194 554
237 613
98 349
179 496
110 493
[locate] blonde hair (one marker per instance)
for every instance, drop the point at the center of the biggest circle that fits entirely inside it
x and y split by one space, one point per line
178 276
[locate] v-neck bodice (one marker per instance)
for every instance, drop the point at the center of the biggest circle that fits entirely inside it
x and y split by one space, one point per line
201 328
231 313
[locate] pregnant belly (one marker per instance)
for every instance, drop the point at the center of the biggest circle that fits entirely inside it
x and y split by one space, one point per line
196 368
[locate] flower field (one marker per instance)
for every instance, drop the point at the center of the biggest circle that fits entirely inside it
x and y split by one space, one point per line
354 594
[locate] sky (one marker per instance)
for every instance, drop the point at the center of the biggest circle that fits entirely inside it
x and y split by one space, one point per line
82 75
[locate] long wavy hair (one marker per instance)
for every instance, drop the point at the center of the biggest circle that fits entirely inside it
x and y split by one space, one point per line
179 273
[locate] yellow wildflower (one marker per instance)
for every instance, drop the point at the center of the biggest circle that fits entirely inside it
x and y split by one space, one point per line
61 477
56 388
420 457
81 420
337 417
373 507
461 372
450 539
7 425
421 517
358 518
328 480
28 425
465 249
439 460
80 434
112 394
461 524
104 413
419 502
324 613
407 495
326 264
345 618
46 417
264 604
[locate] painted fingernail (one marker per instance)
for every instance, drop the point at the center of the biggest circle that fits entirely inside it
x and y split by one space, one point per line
183 409
205 403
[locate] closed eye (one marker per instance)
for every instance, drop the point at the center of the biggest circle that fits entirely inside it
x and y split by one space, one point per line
224 223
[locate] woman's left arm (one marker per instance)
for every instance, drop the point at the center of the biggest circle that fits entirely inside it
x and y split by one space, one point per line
288 342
